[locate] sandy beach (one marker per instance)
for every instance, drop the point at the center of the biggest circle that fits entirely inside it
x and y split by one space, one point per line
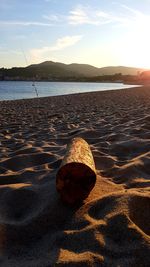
111 228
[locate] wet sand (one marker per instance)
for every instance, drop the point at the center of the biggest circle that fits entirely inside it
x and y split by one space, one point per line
112 226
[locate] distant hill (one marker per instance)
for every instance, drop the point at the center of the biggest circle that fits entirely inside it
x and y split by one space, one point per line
84 69
50 70
120 69
89 71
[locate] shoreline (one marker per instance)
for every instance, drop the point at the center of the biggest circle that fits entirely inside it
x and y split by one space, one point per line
111 226
72 94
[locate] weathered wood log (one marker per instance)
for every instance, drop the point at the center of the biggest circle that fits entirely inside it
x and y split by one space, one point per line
77 174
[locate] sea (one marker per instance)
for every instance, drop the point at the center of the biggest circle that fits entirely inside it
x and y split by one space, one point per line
12 90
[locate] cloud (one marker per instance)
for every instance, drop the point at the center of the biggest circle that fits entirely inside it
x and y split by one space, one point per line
92 16
23 23
87 15
81 15
137 18
78 16
133 11
38 54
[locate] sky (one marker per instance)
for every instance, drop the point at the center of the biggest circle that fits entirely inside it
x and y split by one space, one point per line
96 32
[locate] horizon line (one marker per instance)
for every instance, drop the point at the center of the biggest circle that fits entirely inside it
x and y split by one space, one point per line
108 66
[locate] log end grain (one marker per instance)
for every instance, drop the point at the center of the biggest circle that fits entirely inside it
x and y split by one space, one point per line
74 182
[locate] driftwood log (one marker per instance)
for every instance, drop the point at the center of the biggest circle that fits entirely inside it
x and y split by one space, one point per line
77 174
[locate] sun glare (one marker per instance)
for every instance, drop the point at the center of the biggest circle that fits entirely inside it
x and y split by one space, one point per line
138 48
133 48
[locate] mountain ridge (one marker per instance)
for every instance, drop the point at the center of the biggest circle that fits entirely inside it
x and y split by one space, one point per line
50 70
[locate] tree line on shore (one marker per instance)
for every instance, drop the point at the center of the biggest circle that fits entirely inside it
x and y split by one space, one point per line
51 71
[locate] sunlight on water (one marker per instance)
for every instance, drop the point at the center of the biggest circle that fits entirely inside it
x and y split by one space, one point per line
10 90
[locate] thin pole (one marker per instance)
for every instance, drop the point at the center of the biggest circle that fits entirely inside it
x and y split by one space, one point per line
33 84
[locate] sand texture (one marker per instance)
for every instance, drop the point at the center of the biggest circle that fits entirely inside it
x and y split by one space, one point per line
111 228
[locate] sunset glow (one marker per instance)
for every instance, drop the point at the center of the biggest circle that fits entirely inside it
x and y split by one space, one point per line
96 33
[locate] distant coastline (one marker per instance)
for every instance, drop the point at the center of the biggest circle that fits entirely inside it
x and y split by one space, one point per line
58 72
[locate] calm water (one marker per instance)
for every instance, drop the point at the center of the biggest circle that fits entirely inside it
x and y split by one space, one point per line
10 90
